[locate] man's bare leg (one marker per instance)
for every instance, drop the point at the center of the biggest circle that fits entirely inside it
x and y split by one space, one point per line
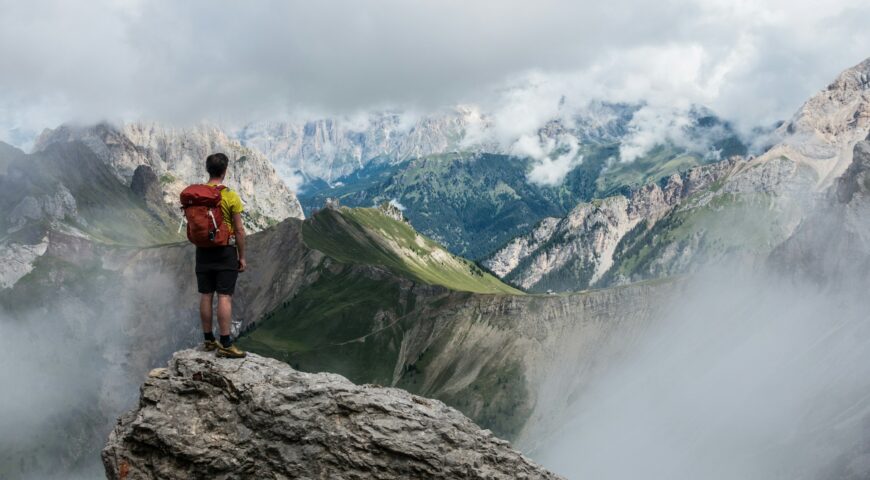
205 311
224 313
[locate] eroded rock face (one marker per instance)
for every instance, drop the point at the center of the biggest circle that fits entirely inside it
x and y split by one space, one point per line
146 185
205 417
48 207
576 251
176 156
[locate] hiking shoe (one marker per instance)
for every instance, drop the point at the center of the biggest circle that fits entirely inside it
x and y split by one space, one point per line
210 345
230 352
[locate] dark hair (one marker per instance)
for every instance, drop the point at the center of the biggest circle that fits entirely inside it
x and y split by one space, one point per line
216 164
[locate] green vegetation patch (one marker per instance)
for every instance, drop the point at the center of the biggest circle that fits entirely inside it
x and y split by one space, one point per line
661 161
352 323
341 323
367 236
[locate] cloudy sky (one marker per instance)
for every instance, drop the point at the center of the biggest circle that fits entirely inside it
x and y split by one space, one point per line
752 61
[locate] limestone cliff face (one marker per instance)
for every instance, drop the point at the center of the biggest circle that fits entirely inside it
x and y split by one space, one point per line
333 147
578 250
823 132
506 259
177 157
204 417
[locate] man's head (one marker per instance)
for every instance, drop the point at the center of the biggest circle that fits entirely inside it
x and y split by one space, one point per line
216 165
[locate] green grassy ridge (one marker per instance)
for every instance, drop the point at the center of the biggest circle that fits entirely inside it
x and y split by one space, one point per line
315 330
352 322
367 236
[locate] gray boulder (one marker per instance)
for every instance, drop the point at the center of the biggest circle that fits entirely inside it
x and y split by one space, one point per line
205 417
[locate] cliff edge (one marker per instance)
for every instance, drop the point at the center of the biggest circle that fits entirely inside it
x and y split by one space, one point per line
205 417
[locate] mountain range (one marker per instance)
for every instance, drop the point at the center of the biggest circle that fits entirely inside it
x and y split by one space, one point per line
375 290
707 213
475 200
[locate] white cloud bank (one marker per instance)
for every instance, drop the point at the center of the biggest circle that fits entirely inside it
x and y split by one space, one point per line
555 158
752 62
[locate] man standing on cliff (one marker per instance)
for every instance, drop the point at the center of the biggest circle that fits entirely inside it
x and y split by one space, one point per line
214 225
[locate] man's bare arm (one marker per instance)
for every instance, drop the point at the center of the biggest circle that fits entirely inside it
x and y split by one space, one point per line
239 229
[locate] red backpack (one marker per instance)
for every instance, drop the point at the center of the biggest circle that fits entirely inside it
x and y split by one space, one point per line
205 222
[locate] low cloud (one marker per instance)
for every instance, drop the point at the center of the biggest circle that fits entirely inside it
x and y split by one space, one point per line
237 62
396 204
749 377
650 127
553 158
294 180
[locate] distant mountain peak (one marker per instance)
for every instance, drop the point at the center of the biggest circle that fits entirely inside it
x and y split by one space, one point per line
824 130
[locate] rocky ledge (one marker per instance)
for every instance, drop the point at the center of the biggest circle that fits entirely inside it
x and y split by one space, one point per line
205 417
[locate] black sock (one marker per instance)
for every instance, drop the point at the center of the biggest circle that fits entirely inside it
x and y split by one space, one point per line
225 341
209 336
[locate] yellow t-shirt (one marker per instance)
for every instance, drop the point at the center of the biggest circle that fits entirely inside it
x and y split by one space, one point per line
230 204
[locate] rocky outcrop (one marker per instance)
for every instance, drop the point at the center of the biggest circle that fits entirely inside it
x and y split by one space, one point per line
506 259
50 207
17 260
856 179
146 185
177 156
204 417
823 132
392 210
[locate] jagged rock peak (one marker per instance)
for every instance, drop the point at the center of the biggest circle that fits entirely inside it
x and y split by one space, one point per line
205 417
392 210
823 131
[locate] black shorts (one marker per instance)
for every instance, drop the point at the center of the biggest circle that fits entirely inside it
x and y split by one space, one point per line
217 269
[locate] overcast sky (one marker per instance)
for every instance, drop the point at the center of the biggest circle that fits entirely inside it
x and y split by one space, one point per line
752 61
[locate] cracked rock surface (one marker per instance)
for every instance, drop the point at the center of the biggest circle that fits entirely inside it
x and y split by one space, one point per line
207 417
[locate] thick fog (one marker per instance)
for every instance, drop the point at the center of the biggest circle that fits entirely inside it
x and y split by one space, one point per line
74 356
748 376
